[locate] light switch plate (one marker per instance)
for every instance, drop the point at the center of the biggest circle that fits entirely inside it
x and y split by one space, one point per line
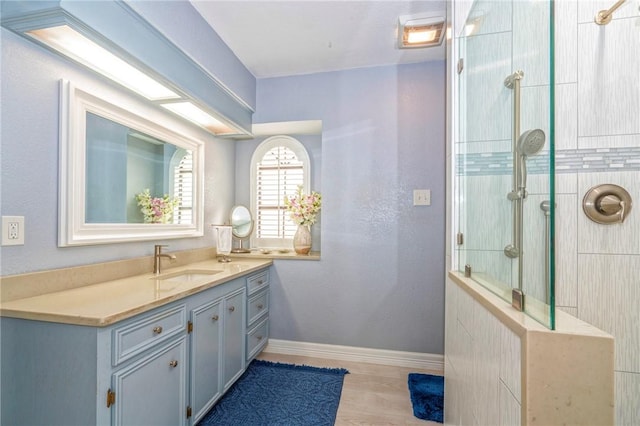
421 197
12 230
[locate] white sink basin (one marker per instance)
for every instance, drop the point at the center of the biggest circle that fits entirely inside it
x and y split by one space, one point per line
191 275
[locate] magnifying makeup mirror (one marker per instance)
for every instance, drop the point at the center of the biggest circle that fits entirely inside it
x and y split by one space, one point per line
241 226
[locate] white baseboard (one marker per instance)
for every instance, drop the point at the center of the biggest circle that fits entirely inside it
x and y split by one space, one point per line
419 360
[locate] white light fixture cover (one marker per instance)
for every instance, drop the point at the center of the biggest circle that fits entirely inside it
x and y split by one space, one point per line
119 40
71 43
415 31
198 116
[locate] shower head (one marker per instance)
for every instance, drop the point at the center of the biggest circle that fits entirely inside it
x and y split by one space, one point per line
531 142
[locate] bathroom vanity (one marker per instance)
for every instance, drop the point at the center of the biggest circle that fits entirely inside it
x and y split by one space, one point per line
145 349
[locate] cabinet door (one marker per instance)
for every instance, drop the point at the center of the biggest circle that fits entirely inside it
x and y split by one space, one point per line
205 358
234 332
152 391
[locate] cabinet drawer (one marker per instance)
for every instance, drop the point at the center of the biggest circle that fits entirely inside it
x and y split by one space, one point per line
133 338
257 281
258 306
257 338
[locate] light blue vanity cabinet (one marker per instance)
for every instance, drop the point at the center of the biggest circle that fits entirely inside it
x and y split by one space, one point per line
217 345
206 358
65 374
167 366
149 378
153 390
233 360
257 313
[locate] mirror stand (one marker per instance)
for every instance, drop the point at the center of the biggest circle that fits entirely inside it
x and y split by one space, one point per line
240 249
241 226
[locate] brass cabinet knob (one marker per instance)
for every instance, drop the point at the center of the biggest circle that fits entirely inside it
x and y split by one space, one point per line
232 308
157 330
259 338
173 363
214 318
260 306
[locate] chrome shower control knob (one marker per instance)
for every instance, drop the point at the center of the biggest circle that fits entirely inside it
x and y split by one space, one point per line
607 204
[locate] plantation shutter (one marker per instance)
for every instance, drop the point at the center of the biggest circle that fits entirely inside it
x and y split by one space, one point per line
183 190
279 173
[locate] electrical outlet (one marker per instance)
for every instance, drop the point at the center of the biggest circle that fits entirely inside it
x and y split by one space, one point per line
12 230
421 197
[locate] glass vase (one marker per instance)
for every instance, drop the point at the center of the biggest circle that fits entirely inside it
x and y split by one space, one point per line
302 240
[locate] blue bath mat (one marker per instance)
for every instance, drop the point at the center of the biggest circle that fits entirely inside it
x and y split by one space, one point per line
271 393
427 396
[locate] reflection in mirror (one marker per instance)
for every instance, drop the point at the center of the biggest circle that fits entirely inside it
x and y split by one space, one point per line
241 226
121 163
123 176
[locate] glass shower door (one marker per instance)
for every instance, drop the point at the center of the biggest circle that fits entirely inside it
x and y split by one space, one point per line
504 152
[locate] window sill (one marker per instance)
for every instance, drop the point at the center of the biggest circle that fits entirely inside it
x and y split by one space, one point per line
275 254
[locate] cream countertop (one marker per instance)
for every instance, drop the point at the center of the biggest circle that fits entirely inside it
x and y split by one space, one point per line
112 301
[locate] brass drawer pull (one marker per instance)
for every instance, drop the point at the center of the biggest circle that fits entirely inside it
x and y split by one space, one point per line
259 338
232 308
260 306
214 318
260 282
173 363
157 330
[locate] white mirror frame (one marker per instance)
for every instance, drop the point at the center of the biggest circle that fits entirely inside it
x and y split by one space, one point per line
72 228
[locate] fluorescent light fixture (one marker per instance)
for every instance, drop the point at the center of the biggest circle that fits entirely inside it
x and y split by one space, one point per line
76 46
420 31
198 116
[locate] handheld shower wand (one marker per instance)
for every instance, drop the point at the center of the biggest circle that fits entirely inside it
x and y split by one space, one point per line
530 143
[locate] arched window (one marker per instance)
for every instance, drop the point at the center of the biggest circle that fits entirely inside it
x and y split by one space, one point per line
279 165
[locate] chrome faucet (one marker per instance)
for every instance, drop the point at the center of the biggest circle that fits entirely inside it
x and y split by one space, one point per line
157 256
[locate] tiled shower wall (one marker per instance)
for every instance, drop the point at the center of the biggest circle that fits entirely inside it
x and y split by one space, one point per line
597 141
598 127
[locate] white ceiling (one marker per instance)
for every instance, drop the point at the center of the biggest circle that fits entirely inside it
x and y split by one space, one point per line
279 38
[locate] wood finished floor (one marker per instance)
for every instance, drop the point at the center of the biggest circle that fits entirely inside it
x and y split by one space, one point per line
372 394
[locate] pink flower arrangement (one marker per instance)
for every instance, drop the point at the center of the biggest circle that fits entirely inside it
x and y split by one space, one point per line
156 209
303 208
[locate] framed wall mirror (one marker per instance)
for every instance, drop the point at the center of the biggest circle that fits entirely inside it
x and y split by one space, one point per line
123 176
241 226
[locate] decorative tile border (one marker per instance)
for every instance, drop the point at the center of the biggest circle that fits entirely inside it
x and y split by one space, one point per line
566 161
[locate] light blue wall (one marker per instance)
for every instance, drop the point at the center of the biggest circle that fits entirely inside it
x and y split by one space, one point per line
380 282
29 163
